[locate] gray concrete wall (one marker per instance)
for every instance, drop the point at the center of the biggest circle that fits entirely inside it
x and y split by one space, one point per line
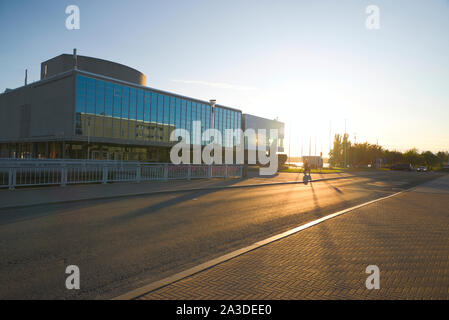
10 104
40 110
256 123
64 62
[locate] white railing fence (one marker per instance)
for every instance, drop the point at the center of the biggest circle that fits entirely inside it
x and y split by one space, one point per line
19 172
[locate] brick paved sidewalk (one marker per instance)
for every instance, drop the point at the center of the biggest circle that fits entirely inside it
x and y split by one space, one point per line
406 236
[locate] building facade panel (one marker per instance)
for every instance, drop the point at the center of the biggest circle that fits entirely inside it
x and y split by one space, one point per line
256 123
37 111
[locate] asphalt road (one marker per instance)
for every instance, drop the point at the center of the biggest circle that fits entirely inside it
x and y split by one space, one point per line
123 244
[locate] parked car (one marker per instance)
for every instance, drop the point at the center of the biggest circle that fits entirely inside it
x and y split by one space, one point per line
421 169
402 167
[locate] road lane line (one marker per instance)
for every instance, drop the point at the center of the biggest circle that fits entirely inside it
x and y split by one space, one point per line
211 263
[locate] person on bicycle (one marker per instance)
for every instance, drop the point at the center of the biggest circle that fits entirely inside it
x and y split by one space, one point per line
306 168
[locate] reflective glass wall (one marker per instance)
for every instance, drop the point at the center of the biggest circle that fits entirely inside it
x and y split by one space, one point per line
228 119
109 110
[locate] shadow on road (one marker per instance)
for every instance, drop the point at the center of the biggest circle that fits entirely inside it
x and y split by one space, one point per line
180 197
329 264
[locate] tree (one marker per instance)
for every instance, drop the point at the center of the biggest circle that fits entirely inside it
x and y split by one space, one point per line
430 160
363 154
393 157
366 154
443 157
413 157
336 153
346 149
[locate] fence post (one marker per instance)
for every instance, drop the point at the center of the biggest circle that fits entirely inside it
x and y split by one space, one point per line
12 178
189 171
226 171
166 171
209 171
138 176
244 170
105 173
63 175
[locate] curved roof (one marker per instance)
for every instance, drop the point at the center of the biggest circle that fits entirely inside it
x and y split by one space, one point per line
65 62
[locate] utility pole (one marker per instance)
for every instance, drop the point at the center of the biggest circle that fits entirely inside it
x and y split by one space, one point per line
75 59
310 146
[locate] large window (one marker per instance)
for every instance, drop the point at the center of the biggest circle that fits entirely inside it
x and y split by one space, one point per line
125 103
183 113
140 95
109 98
111 110
153 117
189 117
172 111
99 108
90 97
146 107
117 101
99 98
133 104
160 109
178 113
81 94
226 119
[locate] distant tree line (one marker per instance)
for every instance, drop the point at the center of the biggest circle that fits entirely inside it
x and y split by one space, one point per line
364 154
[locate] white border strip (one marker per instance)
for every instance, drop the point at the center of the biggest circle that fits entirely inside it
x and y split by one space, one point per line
211 263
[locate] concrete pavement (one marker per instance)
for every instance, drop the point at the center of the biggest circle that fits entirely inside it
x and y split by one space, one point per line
406 236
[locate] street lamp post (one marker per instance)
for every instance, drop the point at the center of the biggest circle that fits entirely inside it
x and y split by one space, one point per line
310 151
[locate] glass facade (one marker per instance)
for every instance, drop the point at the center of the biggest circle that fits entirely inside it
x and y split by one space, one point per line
228 119
109 110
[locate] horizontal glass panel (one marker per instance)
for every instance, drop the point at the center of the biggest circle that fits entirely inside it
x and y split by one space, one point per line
106 100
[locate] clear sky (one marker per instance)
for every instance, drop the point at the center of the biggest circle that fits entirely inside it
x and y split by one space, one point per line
312 64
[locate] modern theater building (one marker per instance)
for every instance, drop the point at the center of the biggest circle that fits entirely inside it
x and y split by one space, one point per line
89 108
